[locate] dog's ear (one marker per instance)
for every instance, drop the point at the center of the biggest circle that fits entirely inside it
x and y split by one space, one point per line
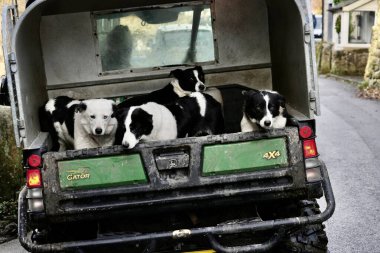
176 73
199 69
81 107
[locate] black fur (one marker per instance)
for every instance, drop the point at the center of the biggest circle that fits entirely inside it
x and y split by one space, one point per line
61 114
186 112
166 95
142 123
189 120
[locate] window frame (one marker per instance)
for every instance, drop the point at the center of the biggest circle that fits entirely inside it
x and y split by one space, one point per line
101 72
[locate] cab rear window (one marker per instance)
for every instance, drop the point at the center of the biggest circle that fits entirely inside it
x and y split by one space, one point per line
155 37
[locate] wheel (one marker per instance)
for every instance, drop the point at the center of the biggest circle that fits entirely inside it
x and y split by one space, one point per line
309 239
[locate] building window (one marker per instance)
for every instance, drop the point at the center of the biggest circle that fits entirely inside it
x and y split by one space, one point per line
361 23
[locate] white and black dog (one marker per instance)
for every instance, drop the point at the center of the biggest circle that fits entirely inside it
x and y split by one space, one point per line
183 83
194 115
79 124
263 110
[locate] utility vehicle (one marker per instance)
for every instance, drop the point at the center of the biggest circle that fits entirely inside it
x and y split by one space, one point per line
234 192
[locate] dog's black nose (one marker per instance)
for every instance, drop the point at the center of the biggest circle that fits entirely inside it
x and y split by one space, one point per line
125 145
202 87
98 130
267 123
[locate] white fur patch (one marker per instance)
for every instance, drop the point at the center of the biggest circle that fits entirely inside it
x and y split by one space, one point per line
50 105
74 102
178 90
268 115
199 82
279 122
248 125
201 100
164 125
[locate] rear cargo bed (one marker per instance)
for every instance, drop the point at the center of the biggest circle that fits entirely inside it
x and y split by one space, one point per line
160 173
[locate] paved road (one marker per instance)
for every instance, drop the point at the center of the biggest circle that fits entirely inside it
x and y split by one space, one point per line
349 142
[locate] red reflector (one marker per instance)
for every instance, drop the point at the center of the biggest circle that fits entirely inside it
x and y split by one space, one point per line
34 160
33 178
309 148
306 132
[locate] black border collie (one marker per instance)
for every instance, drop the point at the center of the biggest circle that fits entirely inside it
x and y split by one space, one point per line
263 110
195 115
183 83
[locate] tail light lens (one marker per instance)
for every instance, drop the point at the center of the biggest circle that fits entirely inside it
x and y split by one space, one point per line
310 148
33 178
34 160
306 132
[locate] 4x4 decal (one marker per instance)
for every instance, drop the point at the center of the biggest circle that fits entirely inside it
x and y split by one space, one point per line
272 155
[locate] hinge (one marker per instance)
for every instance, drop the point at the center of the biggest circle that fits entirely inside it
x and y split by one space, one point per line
21 124
12 62
313 99
307 33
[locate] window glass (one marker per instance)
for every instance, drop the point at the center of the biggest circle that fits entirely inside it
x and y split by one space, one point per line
360 27
155 37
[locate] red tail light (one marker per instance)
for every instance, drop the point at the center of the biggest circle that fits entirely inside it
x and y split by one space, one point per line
306 132
310 148
33 178
34 160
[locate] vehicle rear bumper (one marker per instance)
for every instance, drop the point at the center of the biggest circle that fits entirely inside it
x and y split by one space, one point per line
280 225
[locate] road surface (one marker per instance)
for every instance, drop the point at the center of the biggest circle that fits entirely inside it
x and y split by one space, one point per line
349 143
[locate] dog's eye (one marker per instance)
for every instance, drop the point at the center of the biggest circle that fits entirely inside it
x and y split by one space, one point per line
105 117
92 116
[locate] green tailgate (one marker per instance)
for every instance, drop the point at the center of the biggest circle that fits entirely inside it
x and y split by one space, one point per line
101 172
245 156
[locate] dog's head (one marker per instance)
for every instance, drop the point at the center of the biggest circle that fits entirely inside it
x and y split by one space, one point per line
97 116
135 123
262 107
188 80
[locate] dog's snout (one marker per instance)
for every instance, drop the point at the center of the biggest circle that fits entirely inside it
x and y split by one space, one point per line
267 123
202 87
98 131
125 145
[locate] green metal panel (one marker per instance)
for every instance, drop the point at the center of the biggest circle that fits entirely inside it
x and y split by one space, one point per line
101 172
245 156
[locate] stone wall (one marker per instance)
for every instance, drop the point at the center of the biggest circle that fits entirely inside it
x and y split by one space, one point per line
324 57
372 72
351 62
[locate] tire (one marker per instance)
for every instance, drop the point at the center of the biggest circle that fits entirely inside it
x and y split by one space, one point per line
309 239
